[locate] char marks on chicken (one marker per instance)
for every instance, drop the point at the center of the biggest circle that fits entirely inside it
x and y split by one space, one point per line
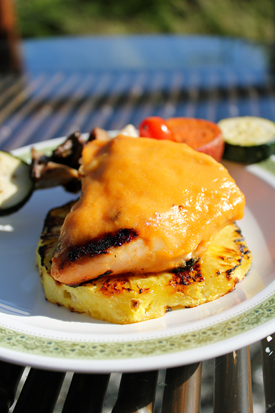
171 201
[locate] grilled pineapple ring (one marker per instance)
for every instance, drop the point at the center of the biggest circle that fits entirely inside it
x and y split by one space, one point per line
129 298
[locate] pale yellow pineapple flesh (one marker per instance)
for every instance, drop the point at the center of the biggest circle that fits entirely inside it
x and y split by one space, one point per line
129 298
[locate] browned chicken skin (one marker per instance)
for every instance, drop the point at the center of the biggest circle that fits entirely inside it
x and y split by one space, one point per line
146 206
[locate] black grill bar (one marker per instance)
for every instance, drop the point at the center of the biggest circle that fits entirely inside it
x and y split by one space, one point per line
136 393
40 392
268 362
86 393
10 375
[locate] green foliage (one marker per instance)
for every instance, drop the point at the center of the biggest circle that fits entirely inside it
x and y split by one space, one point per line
252 19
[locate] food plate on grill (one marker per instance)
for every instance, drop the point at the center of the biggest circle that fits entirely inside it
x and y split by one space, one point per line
34 332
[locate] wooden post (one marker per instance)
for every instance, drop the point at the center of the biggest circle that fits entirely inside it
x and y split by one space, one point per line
10 60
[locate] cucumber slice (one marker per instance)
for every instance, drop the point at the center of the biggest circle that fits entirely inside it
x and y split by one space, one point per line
248 139
16 183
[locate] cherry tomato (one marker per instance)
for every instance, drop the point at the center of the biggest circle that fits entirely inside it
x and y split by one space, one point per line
154 127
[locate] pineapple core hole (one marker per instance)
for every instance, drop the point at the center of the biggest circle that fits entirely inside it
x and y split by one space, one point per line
148 308
66 294
135 304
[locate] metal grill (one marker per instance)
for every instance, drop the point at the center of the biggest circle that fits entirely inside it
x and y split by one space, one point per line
223 384
43 106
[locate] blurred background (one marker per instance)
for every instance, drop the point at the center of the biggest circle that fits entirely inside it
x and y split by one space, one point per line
249 19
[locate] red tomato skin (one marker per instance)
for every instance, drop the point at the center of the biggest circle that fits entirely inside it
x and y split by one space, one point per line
156 128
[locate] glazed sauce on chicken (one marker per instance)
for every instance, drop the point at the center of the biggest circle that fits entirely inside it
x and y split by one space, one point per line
146 206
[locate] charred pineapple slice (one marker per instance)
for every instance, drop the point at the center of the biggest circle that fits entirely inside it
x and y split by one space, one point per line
130 298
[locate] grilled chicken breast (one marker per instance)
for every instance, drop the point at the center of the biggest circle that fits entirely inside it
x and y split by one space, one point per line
128 298
146 206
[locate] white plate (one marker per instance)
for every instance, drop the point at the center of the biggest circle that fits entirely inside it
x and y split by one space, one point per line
36 333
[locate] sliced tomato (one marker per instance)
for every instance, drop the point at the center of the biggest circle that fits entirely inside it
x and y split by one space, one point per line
154 127
201 134
193 132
